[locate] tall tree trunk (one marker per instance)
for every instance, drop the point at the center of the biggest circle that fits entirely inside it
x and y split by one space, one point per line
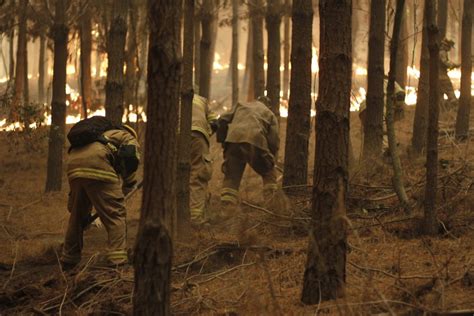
208 19
325 271
286 50
131 57
464 109
299 109
429 221
273 21
26 90
397 179
19 91
42 69
184 158
235 52
114 87
442 17
197 48
258 55
402 52
247 84
153 249
57 131
418 141
11 53
85 34
373 125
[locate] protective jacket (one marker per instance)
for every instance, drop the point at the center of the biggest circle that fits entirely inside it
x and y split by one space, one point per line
97 161
444 57
202 117
255 124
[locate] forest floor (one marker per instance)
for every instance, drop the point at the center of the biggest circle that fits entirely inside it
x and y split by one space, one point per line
254 263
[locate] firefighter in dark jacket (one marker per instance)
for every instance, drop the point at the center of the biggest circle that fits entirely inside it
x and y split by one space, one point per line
98 178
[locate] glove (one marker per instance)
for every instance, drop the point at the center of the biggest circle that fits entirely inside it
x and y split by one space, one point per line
214 126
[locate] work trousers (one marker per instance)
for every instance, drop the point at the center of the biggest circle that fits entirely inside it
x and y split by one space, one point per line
201 173
236 156
446 86
109 203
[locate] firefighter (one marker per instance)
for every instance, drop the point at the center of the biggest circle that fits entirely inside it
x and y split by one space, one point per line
398 106
250 136
445 84
100 174
203 125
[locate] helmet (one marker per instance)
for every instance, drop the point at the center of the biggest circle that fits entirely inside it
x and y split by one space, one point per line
129 129
447 42
265 100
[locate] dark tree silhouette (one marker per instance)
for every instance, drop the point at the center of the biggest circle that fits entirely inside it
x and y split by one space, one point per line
273 21
258 55
60 32
430 220
464 109
153 249
299 110
325 272
373 126
86 50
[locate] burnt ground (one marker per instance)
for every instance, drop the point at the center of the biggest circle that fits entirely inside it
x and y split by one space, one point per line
253 263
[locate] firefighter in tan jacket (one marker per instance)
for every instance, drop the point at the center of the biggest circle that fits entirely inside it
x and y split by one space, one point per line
203 122
97 179
445 84
252 138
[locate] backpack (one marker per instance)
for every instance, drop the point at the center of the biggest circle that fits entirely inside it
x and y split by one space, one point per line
89 130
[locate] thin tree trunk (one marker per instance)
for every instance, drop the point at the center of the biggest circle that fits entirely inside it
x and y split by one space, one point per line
131 75
247 84
42 69
299 109
402 52
420 126
26 90
373 124
57 131
464 109
429 221
273 21
442 17
19 91
286 50
235 52
184 158
86 50
11 53
256 16
197 48
206 53
114 87
153 249
325 272
397 179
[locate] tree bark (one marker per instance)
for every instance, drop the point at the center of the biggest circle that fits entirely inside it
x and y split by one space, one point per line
153 249
114 87
402 52
208 18
184 158
42 70
442 17
258 55
464 109
325 273
429 221
397 178
131 58
286 50
373 125
299 109
273 21
197 47
85 34
57 130
235 52
418 141
19 90
247 84
11 53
